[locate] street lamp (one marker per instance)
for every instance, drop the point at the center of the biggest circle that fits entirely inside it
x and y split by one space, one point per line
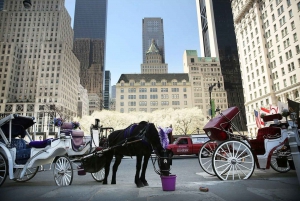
197 130
27 4
210 88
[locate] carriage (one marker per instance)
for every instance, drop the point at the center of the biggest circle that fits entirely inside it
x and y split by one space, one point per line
231 155
21 160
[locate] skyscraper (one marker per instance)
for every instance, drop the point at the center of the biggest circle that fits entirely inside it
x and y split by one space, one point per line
37 65
89 44
107 88
153 28
269 51
217 39
1 4
90 19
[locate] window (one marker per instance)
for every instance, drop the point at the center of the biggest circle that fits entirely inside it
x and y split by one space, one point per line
293 25
291 13
122 97
288 2
282 71
295 37
297 49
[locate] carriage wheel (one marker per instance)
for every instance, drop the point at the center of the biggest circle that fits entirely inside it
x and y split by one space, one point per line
99 176
233 160
63 171
3 168
29 174
274 164
205 156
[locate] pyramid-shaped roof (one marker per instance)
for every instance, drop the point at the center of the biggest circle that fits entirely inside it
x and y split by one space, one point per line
153 48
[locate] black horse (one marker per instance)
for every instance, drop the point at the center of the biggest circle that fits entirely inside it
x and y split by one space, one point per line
138 140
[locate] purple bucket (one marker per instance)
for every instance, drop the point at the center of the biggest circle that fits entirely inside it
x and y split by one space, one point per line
168 182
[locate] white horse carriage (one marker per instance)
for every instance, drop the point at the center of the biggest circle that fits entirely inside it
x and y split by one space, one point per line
21 160
231 155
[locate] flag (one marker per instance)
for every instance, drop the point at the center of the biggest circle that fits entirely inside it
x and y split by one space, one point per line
282 106
265 110
257 119
294 107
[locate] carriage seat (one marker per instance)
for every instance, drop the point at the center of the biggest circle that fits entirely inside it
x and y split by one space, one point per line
40 144
264 133
22 150
77 139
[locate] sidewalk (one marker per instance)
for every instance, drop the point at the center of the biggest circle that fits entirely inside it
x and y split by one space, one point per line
264 185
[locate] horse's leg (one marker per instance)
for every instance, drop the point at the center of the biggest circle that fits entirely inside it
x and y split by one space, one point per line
109 156
118 159
137 180
143 174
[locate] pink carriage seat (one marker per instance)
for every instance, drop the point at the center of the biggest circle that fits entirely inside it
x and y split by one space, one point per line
264 133
67 125
77 139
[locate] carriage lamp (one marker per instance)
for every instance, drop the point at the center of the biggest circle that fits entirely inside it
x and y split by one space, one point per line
208 133
198 130
27 4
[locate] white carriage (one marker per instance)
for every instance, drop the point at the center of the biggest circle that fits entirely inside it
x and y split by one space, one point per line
21 160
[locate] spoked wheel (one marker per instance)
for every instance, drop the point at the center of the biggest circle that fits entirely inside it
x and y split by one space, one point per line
29 174
233 160
205 156
283 152
3 168
63 171
99 176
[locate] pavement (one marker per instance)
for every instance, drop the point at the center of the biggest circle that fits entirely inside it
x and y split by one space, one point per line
263 185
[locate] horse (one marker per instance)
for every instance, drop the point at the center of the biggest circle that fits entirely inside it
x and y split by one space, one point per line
136 140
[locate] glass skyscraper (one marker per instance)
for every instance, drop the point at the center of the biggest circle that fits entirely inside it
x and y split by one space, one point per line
90 19
217 39
89 45
153 28
1 4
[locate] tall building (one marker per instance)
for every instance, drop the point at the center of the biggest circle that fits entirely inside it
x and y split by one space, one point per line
90 19
38 69
89 44
107 88
153 28
203 73
90 53
154 64
217 39
267 35
1 4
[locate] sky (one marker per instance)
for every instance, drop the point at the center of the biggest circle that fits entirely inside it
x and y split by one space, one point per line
124 32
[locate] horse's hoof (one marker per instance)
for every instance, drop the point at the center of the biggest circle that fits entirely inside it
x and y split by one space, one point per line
113 182
145 183
139 184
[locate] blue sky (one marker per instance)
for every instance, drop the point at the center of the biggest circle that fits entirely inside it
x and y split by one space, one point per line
124 32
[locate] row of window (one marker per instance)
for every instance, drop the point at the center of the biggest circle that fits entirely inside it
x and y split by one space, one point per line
154 96
152 103
144 90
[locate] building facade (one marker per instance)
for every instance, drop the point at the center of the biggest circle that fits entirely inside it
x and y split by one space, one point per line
153 28
150 92
203 73
83 102
90 53
267 35
37 66
90 22
107 90
154 63
217 39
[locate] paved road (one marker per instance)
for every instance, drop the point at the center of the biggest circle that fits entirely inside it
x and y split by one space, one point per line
263 185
